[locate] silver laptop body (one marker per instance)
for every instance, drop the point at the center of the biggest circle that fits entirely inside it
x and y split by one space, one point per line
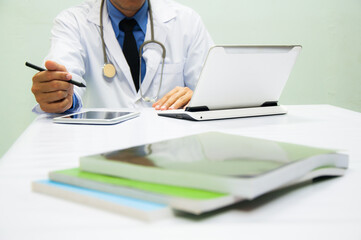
240 81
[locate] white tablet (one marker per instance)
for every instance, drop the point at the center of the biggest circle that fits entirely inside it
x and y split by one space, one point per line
96 117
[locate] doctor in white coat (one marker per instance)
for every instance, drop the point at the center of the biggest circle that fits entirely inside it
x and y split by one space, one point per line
76 53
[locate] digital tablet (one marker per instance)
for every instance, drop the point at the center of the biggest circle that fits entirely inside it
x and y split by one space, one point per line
100 117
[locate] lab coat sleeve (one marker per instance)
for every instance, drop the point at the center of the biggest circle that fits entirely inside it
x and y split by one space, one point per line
197 52
67 48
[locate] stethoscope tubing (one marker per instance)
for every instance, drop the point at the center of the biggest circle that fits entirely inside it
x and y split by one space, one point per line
152 41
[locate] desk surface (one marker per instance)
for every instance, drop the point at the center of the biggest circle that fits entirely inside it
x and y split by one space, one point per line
329 209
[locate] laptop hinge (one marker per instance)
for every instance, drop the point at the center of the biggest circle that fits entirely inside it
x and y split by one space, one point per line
270 104
197 109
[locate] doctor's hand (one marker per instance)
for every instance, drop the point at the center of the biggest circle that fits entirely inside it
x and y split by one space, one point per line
51 89
177 98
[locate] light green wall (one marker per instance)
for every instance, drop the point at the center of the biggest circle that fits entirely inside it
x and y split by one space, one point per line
25 33
328 70
329 67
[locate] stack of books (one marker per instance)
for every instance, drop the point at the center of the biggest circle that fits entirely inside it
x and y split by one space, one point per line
195 174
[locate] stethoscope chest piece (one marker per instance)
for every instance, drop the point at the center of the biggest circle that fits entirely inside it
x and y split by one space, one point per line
109 70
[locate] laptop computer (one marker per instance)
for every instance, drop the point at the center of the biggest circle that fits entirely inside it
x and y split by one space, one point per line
240 81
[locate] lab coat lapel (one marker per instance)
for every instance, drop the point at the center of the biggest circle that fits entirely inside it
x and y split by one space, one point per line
114 52
152 53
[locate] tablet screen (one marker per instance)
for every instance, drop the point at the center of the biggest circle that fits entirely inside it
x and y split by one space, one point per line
98 115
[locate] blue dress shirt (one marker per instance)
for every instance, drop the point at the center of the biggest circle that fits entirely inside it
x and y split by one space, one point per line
139 32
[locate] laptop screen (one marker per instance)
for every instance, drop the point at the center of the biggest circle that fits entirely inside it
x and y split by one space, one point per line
243 76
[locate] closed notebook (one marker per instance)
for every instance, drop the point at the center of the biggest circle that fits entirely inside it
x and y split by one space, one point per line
190 200
241 166
135 208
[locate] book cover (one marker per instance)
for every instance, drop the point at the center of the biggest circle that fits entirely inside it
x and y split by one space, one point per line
190 200
136 208
241 166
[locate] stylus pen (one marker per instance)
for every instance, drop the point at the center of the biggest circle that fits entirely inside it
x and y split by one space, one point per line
42 69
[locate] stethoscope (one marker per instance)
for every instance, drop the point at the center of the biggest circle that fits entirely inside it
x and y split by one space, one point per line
109 69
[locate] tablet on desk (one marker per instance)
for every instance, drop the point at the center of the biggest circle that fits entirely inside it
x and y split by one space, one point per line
100 117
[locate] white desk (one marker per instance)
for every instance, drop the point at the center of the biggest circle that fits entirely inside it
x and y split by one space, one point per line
328 209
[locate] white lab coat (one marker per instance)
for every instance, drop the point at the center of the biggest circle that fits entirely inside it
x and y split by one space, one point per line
76 43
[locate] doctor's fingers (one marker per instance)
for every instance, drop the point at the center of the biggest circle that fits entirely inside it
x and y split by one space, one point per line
59 106
158 104
46 76
182 100
54 66
178 98
52 97
51 86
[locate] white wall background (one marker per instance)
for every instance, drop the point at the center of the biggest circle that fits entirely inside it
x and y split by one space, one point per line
327 71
